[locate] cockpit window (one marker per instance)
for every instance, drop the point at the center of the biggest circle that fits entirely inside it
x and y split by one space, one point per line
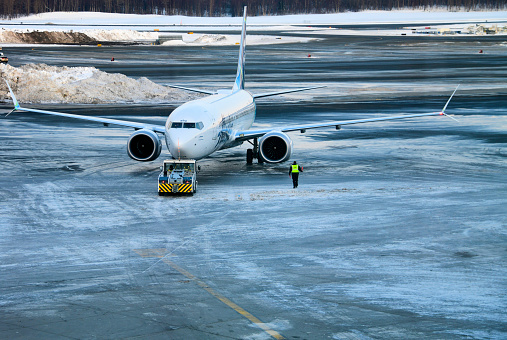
187 125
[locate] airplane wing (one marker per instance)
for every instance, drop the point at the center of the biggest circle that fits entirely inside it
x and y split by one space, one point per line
105 121
249 134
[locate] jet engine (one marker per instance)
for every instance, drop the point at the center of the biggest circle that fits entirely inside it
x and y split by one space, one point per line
275 147
144 145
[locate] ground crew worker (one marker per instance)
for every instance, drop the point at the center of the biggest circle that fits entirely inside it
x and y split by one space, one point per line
294 171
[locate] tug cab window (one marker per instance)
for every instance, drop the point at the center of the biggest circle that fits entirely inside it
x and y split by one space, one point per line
178 166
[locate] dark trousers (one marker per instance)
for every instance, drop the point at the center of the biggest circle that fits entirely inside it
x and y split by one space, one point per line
295 177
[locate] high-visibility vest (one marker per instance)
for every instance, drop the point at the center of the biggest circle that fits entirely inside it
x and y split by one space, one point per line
295 168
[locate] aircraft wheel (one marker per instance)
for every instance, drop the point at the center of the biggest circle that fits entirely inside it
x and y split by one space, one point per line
249 156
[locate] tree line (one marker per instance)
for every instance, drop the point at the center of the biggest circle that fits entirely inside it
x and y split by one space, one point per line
15 8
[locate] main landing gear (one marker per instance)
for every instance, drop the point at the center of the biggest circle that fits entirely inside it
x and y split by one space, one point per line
253 153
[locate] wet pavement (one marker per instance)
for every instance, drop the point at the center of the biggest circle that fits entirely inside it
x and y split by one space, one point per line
397 230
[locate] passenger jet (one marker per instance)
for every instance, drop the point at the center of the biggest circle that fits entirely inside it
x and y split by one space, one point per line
222 120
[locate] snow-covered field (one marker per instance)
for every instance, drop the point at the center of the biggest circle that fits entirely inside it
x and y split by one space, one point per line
128 27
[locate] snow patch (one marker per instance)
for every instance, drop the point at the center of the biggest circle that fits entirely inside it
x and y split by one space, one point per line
121 35
234 39
209 38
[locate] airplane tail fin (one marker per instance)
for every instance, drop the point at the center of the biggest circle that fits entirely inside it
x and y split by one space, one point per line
239 84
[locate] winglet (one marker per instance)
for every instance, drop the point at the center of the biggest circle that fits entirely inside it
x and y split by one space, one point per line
448 101
239 84
14 100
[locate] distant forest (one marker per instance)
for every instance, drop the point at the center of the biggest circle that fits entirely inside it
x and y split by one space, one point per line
15 8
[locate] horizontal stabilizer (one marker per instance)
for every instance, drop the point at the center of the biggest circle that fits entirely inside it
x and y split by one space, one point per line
192 90
269 94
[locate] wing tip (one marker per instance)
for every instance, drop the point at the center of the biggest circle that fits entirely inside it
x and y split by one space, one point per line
13 97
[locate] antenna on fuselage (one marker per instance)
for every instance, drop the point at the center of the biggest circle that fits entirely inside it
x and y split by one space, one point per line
239 84
179 153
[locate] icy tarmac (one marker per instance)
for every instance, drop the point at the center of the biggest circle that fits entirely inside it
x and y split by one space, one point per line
397 230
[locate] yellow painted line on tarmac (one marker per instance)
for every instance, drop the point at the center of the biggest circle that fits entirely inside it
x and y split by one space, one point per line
161 253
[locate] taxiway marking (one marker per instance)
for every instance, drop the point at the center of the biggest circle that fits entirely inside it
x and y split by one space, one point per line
161 253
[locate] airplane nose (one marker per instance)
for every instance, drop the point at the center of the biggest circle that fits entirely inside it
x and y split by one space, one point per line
181 145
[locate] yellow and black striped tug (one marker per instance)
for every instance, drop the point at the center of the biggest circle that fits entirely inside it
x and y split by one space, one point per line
168 188
177 177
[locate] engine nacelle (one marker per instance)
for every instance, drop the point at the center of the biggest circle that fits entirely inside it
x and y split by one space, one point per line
275 147
144 145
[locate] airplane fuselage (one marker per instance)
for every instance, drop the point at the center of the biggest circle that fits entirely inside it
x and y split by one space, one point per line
200 127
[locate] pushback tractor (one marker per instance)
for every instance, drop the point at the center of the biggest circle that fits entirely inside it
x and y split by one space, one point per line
177 177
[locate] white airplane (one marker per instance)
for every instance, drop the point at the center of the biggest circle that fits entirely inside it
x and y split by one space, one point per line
200 127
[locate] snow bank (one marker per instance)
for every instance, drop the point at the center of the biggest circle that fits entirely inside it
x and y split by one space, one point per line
227 39
88 36
209 38
94 36
40 83
121 35
44 37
